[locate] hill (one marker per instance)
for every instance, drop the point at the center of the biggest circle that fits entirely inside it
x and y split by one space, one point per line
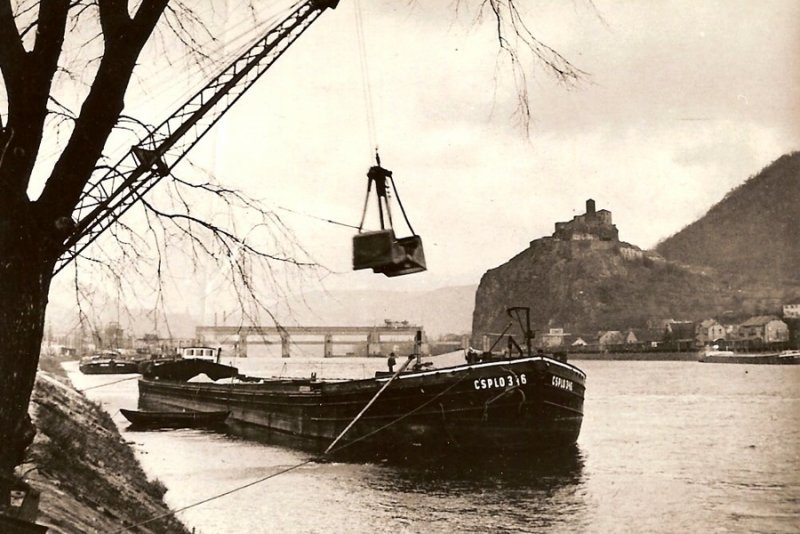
752 236
588 285
740 259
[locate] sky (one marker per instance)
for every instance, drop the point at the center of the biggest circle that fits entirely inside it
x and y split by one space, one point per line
681 102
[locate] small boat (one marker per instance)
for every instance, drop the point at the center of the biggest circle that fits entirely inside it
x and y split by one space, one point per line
511 401
107 363
183 419
788 357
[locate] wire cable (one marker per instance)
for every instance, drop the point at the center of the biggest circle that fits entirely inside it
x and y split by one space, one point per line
315 459
110 383
318 218
366 85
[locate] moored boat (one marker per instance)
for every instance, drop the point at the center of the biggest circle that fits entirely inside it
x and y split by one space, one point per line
767 358
107 363
789 357
519 401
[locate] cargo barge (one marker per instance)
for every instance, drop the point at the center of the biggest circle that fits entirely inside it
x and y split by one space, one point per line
513 402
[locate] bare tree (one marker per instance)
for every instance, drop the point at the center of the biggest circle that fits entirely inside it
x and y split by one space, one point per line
33 232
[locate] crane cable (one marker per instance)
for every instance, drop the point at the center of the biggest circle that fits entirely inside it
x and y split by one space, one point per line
366 85
370 111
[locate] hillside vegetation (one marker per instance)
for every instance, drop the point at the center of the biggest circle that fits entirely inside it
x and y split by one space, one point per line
752 236
88 476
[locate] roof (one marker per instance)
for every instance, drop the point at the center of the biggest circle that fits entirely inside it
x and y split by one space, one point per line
760 320
649 334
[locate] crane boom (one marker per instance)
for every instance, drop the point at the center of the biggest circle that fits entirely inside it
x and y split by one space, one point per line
109 195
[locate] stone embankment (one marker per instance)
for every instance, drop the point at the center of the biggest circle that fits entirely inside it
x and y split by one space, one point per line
88 476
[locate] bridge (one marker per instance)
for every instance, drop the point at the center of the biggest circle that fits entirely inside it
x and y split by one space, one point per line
367 340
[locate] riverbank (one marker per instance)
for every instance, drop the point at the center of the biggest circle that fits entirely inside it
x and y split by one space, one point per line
650 441
653 356
87 475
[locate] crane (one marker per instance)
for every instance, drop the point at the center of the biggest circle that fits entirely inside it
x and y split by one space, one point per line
110 194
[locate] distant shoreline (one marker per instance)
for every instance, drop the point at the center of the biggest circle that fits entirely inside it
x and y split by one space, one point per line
654 356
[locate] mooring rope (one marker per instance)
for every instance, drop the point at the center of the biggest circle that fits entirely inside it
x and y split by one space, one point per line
214 497
366 407
412 412
293 467
109 383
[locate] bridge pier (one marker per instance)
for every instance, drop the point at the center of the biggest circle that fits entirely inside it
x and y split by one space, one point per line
285 341
328 347
359 340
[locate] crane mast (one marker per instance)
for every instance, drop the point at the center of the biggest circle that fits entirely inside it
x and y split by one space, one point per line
108 196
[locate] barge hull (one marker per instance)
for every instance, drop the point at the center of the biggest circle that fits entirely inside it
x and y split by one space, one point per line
521 404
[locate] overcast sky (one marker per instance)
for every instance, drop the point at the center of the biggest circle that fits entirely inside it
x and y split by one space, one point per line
683 101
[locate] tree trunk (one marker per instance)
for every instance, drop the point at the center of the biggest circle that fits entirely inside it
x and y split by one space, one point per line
26 267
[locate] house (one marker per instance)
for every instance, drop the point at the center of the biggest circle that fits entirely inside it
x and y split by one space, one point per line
610 338
680 335
579 342
708 332
764 330
650 338
630 338
791 311
553 338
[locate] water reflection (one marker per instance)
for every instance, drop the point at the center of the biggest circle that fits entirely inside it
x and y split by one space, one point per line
434 468
431 473
479 493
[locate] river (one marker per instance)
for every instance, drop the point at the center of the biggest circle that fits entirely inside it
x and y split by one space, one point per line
665 447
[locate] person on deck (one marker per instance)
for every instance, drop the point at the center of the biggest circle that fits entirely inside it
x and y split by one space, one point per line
391 362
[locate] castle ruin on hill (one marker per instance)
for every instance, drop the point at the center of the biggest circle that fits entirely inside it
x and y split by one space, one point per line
592 225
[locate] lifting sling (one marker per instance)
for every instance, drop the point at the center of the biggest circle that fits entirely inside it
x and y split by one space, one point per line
380 250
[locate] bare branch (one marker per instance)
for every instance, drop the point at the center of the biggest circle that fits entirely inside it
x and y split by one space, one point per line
102 106
514 41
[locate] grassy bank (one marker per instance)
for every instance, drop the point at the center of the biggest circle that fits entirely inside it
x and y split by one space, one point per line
88 476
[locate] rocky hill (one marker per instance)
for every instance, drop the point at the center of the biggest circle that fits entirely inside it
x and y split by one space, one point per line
588 285
741 259
752 236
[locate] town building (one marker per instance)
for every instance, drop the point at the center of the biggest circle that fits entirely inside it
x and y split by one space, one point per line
553 338
680 335
708 332
791 311
763 330
578 342
610 338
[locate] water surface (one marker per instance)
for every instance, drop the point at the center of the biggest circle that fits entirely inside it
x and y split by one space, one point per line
665 447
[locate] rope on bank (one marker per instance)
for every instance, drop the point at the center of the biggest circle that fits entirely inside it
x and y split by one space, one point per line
293 467
214 497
